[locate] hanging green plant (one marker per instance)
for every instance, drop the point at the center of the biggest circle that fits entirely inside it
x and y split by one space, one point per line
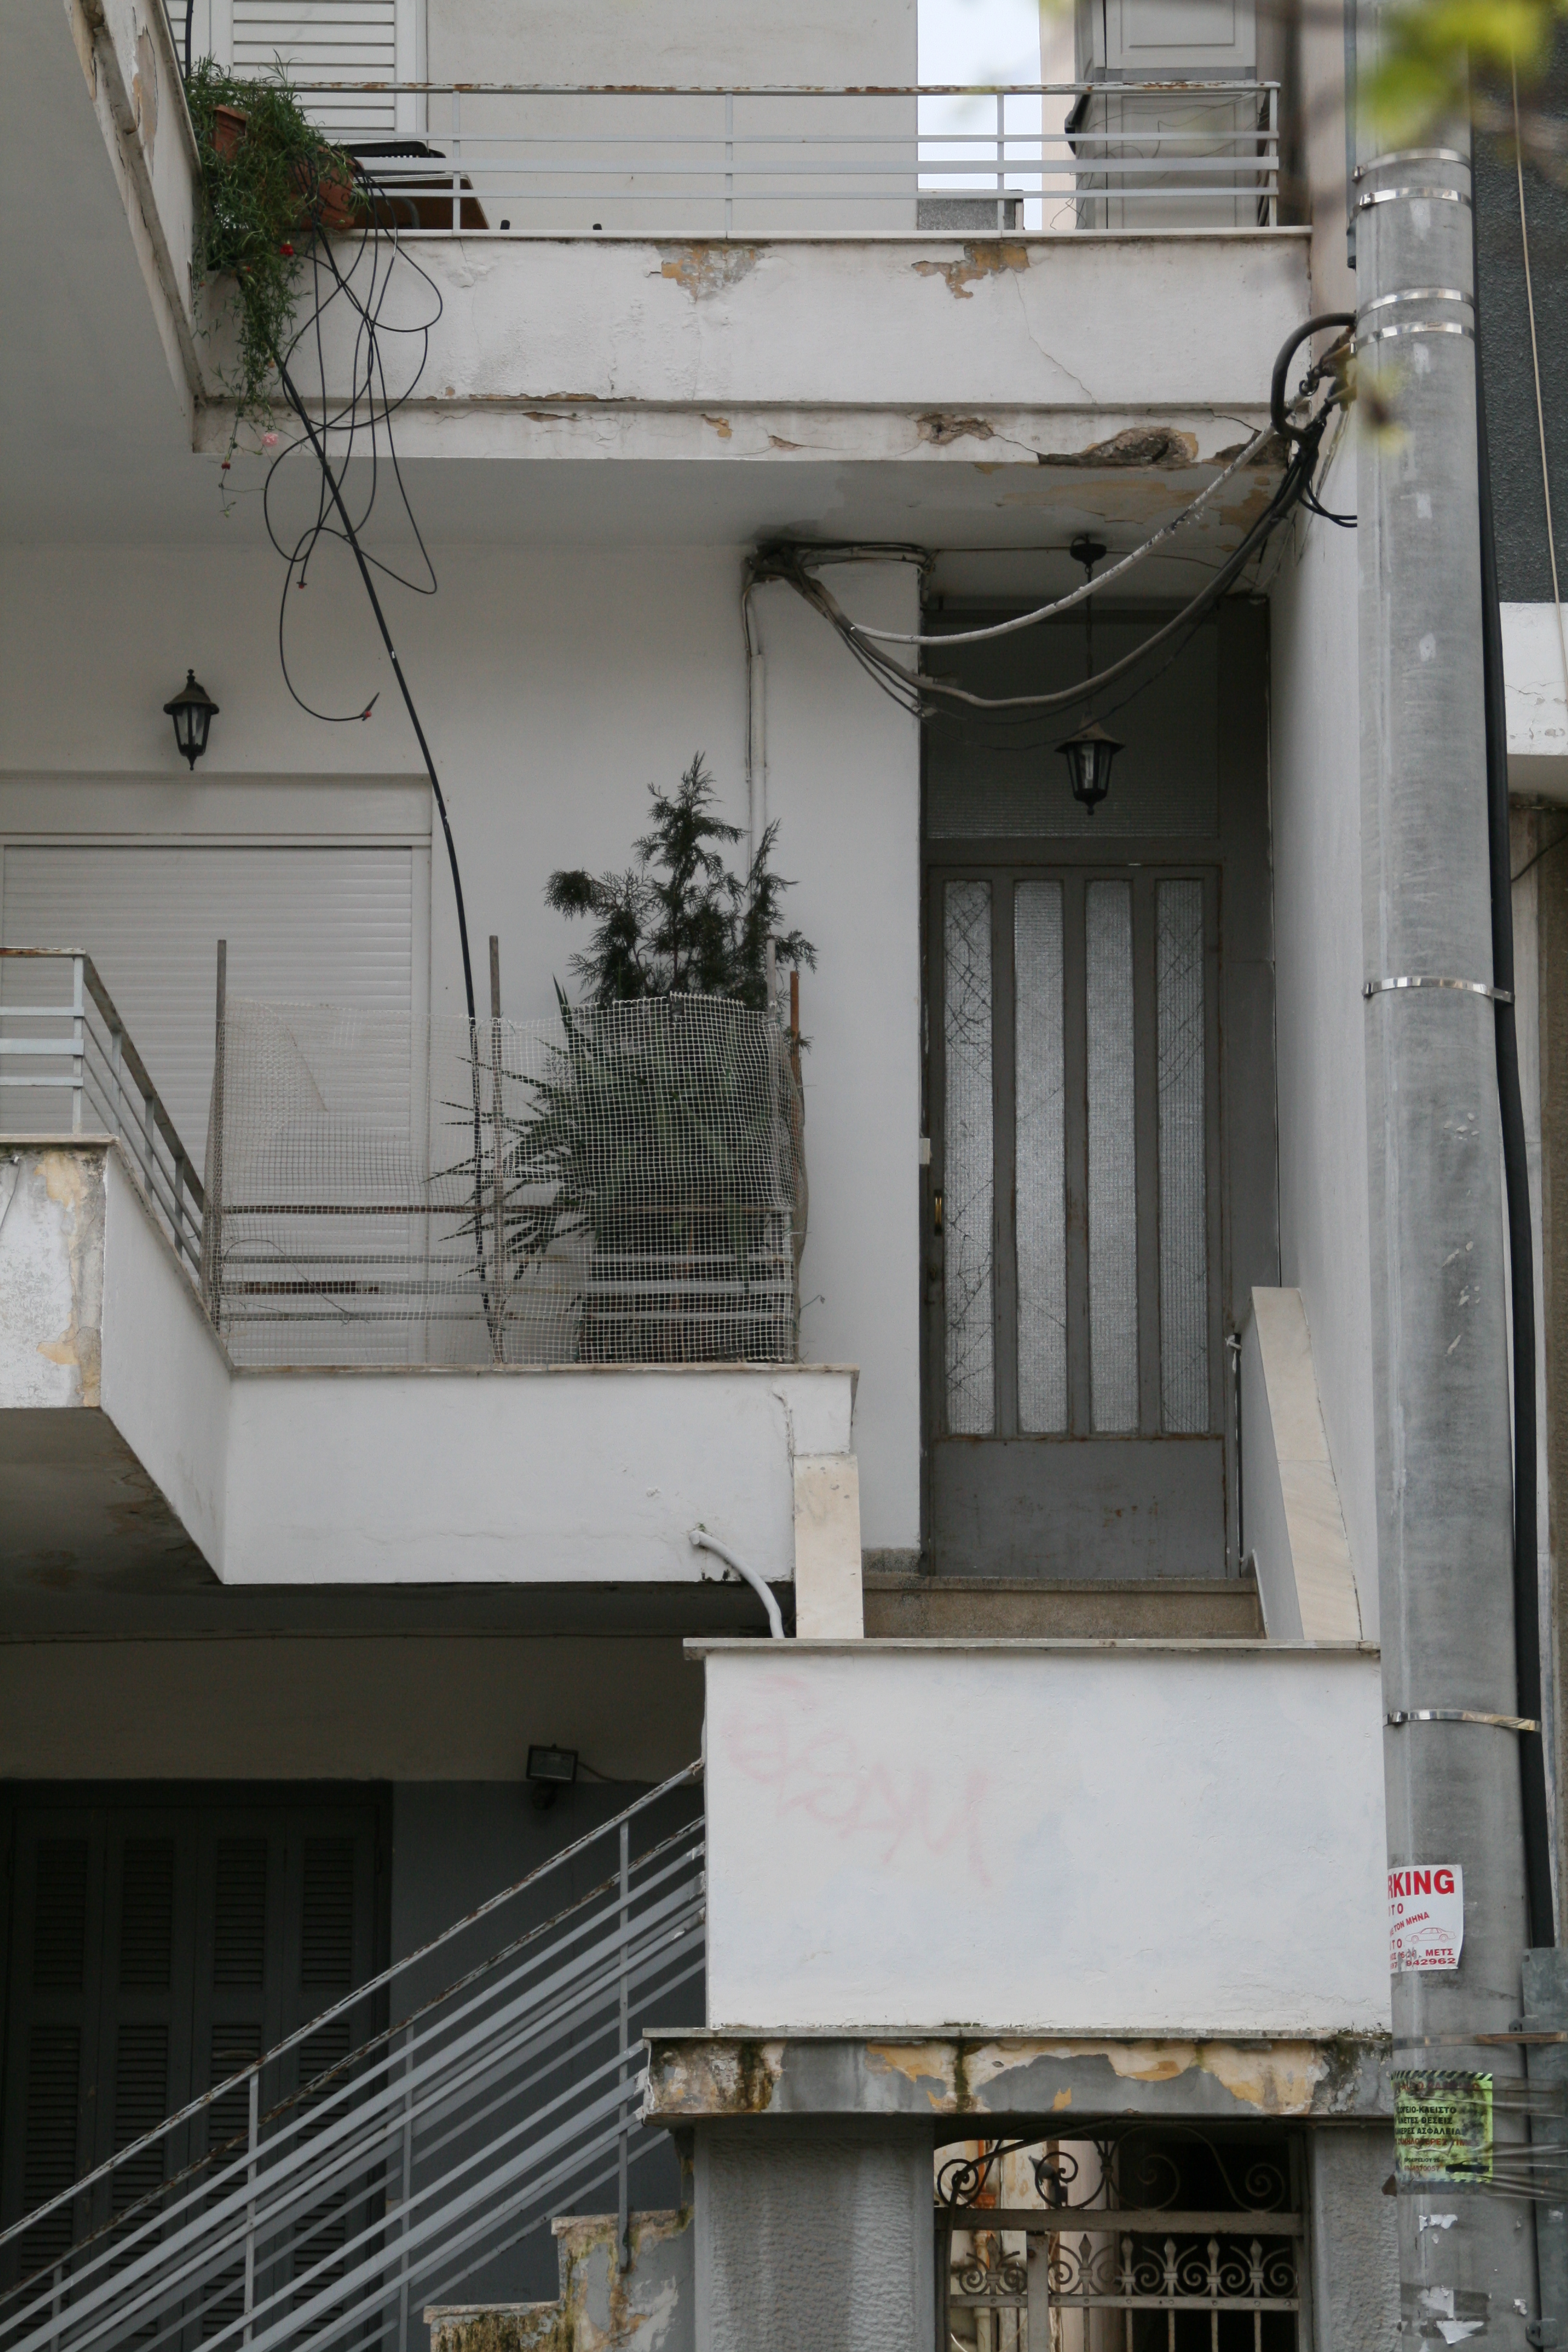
269 183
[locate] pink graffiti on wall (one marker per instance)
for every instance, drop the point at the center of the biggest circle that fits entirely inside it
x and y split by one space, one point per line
815 1765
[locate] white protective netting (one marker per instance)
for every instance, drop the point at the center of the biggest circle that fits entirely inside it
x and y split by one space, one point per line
623 1185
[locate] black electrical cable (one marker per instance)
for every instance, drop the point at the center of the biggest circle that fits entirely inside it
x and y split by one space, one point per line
1534 1794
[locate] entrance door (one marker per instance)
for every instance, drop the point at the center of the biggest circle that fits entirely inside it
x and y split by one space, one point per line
1075 1351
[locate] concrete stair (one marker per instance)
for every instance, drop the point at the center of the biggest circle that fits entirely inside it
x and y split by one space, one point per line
648 2307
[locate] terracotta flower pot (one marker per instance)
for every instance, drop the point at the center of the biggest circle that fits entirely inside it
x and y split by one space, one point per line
228 129
328 197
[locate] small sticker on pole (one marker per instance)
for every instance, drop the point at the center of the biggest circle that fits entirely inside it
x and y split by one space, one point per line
1426 1916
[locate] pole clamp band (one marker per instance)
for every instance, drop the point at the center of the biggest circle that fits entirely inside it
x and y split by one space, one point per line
1399 196
1426 980
1458 1714
1415 327
1411 155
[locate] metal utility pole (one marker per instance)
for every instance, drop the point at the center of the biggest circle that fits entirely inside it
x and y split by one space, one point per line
1439 1262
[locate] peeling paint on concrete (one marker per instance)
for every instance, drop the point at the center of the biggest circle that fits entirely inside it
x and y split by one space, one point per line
648 2307
940 430
713 2075
703 270
1139 445
989 260
720 426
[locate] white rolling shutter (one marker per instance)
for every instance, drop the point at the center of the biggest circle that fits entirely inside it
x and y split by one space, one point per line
326 40
328 925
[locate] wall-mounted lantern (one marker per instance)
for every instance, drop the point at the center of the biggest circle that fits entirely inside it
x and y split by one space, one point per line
193 712
1089 754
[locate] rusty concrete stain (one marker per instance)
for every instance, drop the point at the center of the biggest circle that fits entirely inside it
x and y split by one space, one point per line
988 260
776 441
80 1344
1061 2103
144 90
1278 2077
593 2290
1139 445
722 425
703 270
940 430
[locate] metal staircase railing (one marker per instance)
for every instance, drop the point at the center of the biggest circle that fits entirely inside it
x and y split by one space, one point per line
437 2143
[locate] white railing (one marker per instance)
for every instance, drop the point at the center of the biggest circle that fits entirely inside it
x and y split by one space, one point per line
68 1066
328 2212
504 158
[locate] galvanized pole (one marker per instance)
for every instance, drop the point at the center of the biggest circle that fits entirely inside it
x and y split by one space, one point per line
1439 1264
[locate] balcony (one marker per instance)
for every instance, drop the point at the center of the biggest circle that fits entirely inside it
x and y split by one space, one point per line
345 1360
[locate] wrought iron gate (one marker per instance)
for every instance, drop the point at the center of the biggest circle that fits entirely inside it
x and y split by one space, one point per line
1136 2240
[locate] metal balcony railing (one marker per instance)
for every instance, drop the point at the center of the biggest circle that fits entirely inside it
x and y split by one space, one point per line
514 160
68 1066
329 2213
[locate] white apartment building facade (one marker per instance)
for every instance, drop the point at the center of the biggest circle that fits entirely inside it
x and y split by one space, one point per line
925 1692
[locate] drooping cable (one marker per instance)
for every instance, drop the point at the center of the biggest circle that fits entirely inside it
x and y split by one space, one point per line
918 692
1535 1800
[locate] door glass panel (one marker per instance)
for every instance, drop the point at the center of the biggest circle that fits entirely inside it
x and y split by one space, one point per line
1039 1191
969 1190
1112 1157
1184 1220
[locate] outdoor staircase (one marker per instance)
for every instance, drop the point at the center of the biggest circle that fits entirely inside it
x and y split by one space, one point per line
340 2213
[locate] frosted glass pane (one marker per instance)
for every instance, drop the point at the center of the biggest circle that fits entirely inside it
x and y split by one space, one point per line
1183 1220
1040 1201
1112 1157
969 1185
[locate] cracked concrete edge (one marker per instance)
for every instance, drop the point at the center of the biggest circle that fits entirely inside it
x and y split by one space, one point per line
1342 2077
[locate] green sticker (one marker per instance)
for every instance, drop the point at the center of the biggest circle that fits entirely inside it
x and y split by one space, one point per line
1442 2127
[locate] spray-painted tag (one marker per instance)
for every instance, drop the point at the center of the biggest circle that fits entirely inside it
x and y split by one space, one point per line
1426 1916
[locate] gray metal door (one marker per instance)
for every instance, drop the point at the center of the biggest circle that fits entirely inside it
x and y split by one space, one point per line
1075 1353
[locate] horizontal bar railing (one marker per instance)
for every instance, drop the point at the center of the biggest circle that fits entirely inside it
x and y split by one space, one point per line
72 1067
512 159
429 2150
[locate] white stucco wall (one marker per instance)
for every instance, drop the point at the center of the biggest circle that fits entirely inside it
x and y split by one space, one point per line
555 685
1315 786
1197 1843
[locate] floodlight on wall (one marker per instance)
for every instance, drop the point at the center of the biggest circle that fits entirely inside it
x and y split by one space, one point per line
1090 754
193 712
551 1770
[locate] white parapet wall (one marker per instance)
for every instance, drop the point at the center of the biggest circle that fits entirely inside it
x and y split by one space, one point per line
179 1465
1102 1838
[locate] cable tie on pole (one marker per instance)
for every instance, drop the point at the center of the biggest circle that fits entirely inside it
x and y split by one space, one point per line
1411 155
1415 294
1417 327
1459 1714
1426 980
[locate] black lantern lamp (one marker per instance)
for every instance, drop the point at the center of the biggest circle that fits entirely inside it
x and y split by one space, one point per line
193 712
1091 751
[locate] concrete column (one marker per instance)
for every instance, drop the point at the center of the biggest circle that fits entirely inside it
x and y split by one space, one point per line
1355 2243
1441 1277
814 2235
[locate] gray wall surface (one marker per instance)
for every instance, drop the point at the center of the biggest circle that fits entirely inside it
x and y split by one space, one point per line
813 2236
1355 2251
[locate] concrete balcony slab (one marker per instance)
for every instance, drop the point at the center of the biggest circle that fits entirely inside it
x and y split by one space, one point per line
131 1451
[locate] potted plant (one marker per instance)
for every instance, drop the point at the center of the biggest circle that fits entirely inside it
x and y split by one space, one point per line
668 1133
268 179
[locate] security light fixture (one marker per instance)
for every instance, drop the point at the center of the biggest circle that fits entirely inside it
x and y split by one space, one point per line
551 1770
1091 751
193 712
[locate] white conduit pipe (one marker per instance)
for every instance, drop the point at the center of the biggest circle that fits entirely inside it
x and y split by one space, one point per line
703 1541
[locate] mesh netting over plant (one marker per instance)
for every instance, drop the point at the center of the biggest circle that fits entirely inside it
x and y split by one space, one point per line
624 1185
